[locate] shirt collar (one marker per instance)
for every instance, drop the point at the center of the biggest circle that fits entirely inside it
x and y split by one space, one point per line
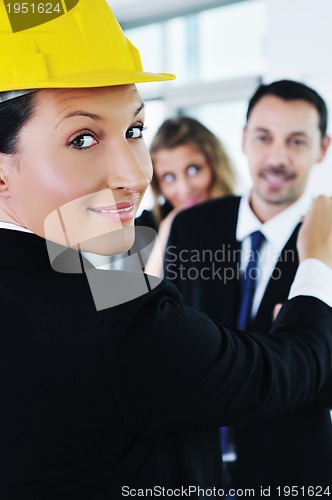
276 230
98 261
105 261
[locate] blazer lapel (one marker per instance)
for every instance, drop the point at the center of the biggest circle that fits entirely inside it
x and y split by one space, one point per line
228 292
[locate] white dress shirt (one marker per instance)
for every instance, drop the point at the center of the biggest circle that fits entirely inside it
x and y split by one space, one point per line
277 232
313 277
14 227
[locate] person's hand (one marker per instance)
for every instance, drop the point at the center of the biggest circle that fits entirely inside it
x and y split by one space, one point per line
154 265
276 310
315 236
165 228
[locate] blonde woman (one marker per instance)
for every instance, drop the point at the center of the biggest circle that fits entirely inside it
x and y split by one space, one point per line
190 166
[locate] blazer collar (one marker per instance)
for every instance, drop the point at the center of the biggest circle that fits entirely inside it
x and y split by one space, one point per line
25 249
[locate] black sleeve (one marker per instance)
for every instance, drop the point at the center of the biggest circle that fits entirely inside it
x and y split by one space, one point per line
325 394
173 369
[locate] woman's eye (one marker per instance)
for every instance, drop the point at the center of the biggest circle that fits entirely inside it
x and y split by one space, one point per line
83 141
193 170
135 132
168 178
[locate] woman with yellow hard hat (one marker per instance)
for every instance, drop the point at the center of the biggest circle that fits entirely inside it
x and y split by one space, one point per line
109 386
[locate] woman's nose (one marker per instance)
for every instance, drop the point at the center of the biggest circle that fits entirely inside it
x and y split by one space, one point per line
183 187
127 172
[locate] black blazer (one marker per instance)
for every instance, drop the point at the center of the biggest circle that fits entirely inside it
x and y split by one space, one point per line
289 449
133 395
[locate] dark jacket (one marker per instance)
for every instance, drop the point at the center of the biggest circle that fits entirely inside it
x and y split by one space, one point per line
133 395
290 449
148 218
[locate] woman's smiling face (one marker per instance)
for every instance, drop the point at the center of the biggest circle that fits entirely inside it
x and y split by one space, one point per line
81 168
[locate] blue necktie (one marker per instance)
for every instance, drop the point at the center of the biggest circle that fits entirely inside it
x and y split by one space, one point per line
248 281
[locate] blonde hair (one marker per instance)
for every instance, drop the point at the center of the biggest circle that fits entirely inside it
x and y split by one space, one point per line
184 130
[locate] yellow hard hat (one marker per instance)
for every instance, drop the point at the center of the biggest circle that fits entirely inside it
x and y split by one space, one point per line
64 44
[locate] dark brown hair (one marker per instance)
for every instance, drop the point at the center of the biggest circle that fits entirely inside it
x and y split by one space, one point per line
13 115
289 90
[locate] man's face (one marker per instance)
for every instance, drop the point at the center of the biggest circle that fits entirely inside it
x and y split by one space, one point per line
282 141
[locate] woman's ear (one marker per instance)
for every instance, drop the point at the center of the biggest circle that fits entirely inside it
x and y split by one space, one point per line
4 177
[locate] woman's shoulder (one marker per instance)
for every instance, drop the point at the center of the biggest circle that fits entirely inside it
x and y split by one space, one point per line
147 218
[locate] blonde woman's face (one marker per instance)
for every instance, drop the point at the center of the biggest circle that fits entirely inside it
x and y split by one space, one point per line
184 176
81 169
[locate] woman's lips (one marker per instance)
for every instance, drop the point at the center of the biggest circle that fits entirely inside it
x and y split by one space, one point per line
191 202
120 212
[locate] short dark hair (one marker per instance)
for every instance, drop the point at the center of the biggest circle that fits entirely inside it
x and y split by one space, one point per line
13 115
292 91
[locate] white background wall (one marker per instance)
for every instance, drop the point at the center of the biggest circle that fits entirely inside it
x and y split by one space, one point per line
299 47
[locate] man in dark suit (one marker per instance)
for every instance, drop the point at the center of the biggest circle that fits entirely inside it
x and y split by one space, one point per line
208 254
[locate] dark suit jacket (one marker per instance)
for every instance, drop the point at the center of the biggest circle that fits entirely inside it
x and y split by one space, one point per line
133 395
290 449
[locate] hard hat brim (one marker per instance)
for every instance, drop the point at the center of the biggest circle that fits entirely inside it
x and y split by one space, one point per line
104 78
